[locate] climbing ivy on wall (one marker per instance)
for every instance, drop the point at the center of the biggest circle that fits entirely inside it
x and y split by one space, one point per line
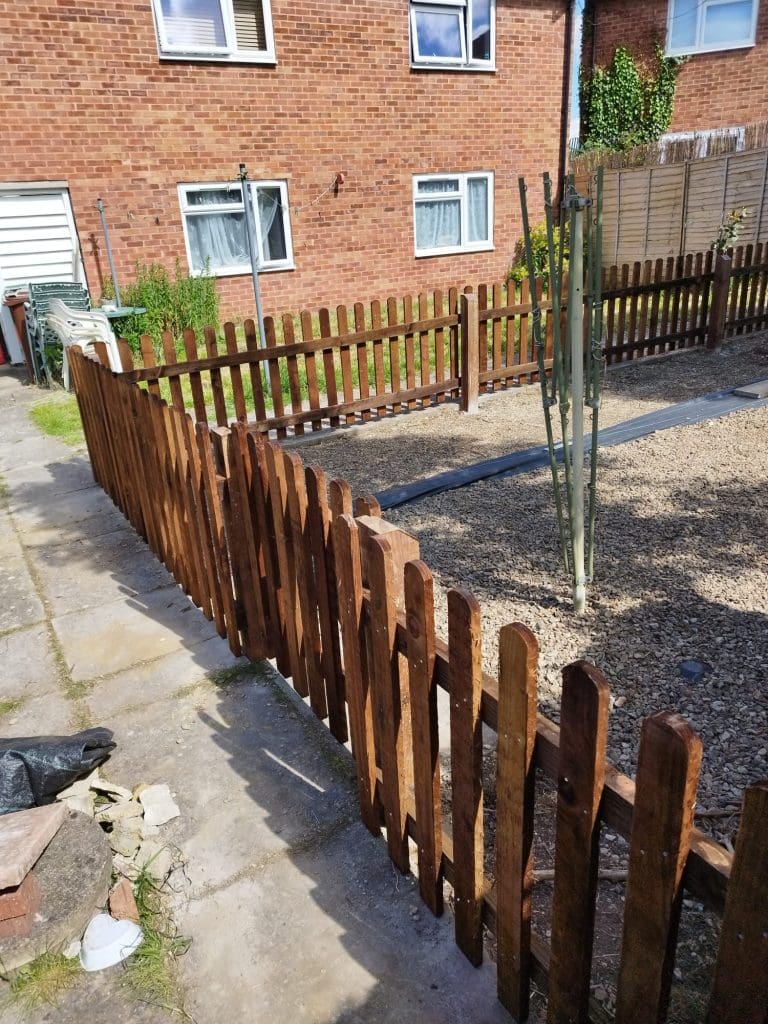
625 105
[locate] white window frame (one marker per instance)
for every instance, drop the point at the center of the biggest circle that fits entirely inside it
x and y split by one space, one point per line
228 52
463 9
233 270
697 46
462 194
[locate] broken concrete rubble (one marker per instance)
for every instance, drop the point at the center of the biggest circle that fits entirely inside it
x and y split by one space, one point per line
158 805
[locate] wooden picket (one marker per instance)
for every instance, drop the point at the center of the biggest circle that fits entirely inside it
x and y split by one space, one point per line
273 554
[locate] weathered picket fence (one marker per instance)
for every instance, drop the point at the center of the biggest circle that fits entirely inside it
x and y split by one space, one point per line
292 568
371 361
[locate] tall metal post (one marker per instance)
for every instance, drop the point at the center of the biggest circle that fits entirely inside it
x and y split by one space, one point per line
253 251
110 260
576 338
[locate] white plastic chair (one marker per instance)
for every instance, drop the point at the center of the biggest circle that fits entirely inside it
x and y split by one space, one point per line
77 327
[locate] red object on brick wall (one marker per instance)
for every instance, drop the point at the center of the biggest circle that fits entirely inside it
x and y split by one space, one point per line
724 89
102 112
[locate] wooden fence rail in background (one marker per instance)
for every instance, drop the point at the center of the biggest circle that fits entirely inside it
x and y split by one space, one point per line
276 558
354 366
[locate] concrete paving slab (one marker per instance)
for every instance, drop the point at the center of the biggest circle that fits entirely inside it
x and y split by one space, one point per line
39 716
23 444
250 775
19 602
64 535
145 684
29 668
130 631
93 572
326 936
62 510
32 480
98 998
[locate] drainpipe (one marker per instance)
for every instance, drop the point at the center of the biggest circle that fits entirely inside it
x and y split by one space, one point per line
565 102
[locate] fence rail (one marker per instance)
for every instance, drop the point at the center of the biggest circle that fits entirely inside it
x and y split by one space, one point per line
291 567
353 367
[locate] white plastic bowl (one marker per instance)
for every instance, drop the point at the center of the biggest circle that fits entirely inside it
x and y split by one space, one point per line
107 942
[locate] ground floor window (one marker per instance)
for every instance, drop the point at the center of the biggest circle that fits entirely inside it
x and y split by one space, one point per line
214 226
453 213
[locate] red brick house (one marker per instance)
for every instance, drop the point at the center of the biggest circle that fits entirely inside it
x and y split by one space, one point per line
384 138
723 84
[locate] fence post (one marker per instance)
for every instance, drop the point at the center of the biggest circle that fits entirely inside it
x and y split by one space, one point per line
718 307
470 366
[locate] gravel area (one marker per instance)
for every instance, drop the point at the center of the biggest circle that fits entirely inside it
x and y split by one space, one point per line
681 573
681 570
406 447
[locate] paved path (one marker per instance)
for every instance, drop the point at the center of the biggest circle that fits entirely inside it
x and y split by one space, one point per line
680 414
295 912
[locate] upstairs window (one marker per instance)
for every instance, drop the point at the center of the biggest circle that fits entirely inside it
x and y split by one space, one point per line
453 34
453 213
702 26
214 227
226 30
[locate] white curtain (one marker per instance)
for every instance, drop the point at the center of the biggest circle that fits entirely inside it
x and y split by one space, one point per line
478 209
438 221
218 238
271 226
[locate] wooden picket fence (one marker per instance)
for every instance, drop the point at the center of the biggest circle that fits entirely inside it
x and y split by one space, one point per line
290 567
381 359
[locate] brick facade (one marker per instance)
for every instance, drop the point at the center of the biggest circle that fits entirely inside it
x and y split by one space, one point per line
714 90
88 101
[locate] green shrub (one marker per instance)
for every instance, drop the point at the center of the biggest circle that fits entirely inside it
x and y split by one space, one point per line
518 272
172 303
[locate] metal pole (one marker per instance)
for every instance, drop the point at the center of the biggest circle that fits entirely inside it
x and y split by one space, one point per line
576 337
100 208
253 251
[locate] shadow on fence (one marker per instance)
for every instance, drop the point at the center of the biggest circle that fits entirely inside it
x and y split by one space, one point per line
289 567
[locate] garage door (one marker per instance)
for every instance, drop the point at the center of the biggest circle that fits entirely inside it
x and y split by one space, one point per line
38 241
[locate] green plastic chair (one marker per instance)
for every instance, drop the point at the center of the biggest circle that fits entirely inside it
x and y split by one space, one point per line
40 335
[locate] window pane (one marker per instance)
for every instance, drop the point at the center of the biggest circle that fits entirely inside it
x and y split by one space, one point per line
478 210
727 23
481 29
214 196
249 24
195 24
682 28
219 238
438 185
272 224
438 224
438 34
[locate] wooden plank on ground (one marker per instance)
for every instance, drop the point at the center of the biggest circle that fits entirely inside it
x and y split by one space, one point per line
420 617
667 777
740 991
581 774
515 786
465 668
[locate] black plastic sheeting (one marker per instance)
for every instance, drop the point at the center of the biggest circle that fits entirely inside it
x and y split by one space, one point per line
683 414
35 769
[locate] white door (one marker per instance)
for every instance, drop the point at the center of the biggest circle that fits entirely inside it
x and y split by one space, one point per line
38 241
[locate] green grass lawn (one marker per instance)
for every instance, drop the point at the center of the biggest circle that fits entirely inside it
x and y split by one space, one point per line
57 414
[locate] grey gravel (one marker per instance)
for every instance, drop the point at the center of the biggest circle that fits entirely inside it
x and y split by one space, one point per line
681 569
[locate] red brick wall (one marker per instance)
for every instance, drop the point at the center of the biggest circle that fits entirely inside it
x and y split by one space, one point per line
714 90
93 105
